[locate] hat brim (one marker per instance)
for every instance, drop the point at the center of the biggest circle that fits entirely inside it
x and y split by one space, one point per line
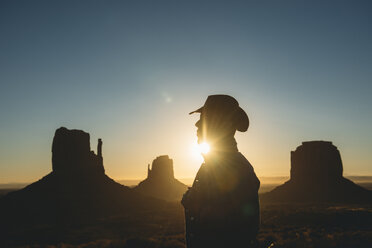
242 121
199 110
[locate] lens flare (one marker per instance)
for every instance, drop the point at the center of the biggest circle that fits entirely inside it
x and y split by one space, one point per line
197 150
204 148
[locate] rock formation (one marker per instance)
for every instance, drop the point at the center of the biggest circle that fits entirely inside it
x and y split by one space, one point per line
160 182
316 159
316 176
71 154
162 169
76 191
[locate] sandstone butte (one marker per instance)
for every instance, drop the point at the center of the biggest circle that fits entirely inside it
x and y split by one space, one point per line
160 182
76 190
317 176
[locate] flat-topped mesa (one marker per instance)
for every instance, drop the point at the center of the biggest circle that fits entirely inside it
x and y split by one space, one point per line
316 160
316 176
71 154
162 168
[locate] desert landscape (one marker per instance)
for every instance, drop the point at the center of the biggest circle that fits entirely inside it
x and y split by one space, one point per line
185 124
77 205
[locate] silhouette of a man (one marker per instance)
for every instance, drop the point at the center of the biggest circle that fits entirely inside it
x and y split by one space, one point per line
222 207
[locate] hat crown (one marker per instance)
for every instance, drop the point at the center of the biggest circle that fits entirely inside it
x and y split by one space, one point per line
222 102
226 106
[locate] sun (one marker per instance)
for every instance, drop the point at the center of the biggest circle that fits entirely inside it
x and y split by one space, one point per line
198 149
204 148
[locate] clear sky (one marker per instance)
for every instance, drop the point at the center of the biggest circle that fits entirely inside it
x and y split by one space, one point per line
129 72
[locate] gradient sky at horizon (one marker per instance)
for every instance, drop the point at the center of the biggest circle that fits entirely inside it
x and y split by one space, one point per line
129 72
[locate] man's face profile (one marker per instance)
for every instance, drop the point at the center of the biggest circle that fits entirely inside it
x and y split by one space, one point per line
199 131
212 128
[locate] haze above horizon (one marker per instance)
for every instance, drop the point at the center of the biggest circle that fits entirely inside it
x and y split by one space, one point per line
129 72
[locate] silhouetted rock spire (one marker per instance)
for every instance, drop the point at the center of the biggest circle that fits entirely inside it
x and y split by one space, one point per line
316 176
99 148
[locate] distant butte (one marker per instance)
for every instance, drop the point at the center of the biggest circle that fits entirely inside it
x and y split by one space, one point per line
77 190
316 176
160 182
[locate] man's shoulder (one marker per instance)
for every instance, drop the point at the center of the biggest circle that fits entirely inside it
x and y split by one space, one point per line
241 160
245 168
